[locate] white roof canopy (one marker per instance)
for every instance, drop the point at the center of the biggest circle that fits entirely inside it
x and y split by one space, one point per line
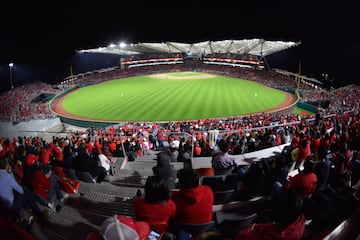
258 47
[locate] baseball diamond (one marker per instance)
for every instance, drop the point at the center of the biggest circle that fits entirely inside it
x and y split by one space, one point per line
173 96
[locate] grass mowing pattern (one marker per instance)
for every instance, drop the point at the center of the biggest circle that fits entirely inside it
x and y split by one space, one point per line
144 98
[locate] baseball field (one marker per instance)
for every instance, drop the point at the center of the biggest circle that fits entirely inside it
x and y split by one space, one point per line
172 96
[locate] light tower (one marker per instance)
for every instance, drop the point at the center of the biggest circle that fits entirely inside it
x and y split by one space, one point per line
11 78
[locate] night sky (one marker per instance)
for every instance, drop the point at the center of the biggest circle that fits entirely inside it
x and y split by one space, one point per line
42 39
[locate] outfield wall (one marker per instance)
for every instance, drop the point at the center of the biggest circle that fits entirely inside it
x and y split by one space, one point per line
307 107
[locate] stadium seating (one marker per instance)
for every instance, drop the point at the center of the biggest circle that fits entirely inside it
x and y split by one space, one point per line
215 182
230 223
85 177
71 173
195 229
223 196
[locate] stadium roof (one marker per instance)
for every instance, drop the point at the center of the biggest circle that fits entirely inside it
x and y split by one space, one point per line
258 47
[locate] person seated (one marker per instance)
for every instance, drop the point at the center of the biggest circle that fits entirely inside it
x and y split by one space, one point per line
155 207
185 155
58 153
197 149
86 163
288 221
16 168
223 162
46 153
250 183
10 229
305 181
13 197
44 183
276 170
193 201
173 151
164 170
103 161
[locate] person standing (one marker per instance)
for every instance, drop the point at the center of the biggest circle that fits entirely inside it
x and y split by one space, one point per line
160 138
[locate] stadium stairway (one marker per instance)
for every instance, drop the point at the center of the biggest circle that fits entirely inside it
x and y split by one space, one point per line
134 173
84 213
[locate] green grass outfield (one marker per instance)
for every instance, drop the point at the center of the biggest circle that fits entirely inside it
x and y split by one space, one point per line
172 97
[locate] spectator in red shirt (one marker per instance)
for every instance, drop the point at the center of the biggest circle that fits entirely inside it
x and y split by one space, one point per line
304 182
160 138
155 207
304 150
4 146
112 146
315 143
44 183
46 154
197 149
32 157
193 201
58 154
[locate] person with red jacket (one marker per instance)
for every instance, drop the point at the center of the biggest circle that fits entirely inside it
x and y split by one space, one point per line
193 201
304 150
4 146
160 138
305 181
58 154
46 154
44 183
155 207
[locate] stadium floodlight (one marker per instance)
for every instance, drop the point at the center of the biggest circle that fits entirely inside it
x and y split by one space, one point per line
11 65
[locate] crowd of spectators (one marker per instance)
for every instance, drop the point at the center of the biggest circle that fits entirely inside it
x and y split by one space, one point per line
324 149
17 106
332 138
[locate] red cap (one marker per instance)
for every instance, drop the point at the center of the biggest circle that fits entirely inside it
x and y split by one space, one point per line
142 228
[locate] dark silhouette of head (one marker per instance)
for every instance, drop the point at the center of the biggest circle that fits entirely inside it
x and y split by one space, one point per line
188 178
156 190
309 163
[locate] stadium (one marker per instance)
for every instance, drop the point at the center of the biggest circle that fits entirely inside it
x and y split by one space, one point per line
188 93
